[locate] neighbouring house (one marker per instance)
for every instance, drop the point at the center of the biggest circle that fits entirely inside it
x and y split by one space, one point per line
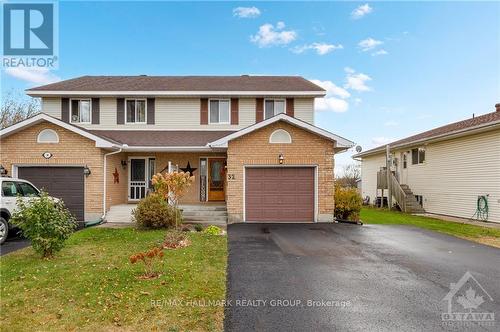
442 171
250 142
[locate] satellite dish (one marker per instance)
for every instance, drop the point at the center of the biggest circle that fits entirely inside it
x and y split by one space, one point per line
359 149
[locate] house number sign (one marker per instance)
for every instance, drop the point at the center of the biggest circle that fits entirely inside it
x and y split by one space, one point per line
231 177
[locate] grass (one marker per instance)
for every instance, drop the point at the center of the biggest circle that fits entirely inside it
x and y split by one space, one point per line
481 234
91 285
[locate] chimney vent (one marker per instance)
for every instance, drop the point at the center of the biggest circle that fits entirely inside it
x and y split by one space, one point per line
497 107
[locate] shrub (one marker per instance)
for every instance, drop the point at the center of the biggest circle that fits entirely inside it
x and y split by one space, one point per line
153 211
212 230
45 221
347 203
175 239
149 258
198 227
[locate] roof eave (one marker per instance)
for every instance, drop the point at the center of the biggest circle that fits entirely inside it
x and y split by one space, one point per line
55 93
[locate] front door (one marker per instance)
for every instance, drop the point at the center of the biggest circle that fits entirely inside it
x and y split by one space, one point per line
137 179
404 168
216 177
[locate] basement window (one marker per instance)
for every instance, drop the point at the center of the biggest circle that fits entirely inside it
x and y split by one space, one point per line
417 156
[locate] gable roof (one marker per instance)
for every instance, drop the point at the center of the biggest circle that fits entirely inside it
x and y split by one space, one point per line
181 85
460 127
100 142
342 143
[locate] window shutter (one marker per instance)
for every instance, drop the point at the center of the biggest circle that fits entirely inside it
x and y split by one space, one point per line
203 111
95 110
259 109
120 111
235 106
151 111
290 110
65 109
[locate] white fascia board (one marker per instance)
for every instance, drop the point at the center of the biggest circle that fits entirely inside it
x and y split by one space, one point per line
41 93
99 142
167 149
341 142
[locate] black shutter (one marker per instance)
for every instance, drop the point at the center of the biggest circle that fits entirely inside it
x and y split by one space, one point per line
151 111
65 109
95 110
120 111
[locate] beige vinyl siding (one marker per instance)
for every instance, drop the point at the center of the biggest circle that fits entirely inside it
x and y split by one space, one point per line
247 112
455 172
304 109
369 169
52 107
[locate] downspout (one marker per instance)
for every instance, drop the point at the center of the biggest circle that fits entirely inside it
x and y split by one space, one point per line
104 178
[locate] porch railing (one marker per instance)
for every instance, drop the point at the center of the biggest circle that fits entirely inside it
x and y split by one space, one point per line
393 186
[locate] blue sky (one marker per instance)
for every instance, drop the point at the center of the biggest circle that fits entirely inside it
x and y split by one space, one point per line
391 68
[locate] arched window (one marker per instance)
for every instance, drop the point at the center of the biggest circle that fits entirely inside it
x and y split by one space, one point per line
48 136
280 136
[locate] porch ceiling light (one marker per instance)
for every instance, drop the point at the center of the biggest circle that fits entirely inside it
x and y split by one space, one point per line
281 158
86 171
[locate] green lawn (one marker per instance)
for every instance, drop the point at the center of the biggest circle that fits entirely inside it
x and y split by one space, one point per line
91 285
485 235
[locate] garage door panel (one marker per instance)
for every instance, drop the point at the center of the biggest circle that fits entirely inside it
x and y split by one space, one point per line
279 194
65 183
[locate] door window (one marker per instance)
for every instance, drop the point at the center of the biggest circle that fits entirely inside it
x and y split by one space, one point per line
138 170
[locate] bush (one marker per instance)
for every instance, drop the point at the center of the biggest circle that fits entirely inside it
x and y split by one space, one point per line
153 211
198 227
212 230
149 259
45 221
347 203
175 239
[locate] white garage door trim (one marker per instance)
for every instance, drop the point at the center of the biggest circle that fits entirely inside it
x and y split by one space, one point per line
282 166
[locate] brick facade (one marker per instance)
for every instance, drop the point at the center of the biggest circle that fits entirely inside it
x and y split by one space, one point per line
306 149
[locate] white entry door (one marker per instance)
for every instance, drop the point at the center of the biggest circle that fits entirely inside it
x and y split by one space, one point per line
137 179
404 168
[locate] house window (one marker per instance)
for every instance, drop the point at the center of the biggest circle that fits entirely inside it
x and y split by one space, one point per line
420 199
219 111
417 156
405 160
274 107
80 110
280 136
136 110
47 136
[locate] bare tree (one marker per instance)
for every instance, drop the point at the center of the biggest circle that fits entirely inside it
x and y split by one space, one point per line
16 107
350 175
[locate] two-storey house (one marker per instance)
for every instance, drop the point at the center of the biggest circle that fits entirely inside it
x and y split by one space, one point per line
250 142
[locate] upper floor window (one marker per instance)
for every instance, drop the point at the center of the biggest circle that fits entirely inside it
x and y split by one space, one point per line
136 111
274 107
417 156
48 136
80 110
219 111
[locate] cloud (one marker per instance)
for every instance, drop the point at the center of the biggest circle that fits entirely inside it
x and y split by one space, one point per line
334 100
380 52
356 81
246 12
33 75
320 48
357 101
369 44
391 123
377 141
361 11
268 35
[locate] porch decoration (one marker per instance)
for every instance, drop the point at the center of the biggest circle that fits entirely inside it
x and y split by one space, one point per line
189 169
116 176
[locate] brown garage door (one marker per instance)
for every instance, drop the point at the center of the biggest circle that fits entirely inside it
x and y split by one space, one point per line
66 183
279 194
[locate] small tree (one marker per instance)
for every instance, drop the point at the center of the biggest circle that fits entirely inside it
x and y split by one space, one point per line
349 176
15 108
172 186
45 221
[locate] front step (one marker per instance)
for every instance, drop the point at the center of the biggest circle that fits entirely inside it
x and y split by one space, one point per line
205 213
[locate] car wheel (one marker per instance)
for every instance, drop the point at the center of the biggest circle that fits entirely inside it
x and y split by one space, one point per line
4 230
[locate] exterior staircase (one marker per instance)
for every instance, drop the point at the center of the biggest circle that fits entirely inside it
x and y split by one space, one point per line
412 205
214 214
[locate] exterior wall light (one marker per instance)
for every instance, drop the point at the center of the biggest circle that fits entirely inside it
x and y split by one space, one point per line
124 164
281 158
86 171
3 171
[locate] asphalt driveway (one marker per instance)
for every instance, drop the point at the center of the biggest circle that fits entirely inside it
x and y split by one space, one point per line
319 277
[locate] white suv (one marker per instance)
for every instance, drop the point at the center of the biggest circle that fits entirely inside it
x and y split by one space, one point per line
11 188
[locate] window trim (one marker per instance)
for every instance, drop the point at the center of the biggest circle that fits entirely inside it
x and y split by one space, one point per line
47 130
135 110
79 116
218 115
274 100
